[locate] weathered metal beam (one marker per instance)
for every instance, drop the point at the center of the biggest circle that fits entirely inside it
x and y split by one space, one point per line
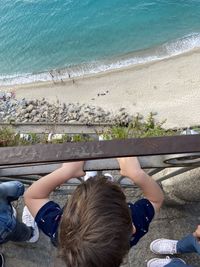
42 153
147 162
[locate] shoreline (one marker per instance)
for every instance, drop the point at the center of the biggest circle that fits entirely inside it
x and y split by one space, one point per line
169 87
100 73
65 74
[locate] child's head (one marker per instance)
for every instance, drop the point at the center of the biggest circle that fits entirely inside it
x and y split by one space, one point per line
96 225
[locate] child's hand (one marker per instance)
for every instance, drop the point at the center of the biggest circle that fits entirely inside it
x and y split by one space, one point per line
75 168
129 166
197 233
37 195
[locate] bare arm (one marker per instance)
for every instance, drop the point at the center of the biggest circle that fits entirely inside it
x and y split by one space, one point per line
130 167
38 193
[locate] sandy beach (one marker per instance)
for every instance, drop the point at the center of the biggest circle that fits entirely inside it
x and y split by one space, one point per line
169 87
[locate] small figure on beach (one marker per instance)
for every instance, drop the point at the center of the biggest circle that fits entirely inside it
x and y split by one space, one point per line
60 74
69 76
52 76
101 94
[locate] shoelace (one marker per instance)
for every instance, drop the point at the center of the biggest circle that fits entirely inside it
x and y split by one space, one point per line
170 247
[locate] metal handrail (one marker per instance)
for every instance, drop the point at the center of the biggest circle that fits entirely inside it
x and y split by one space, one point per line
155 154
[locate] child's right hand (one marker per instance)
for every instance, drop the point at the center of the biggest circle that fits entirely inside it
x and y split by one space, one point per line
75 168
129 167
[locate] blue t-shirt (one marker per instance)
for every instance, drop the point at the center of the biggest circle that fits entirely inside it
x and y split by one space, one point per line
48 220
142 213
49 216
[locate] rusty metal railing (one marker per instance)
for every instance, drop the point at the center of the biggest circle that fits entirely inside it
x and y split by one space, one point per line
155 154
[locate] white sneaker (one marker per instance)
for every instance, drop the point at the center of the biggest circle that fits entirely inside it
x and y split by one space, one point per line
109 177
164 246
28 219
89 174
162 262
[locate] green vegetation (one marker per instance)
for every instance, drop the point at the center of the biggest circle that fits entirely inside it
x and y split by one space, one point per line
8 137
81 138
136 129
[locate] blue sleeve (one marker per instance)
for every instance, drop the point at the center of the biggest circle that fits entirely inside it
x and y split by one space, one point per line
48 218
142 213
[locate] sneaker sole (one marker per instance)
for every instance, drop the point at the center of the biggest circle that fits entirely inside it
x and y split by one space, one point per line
151 261
171 259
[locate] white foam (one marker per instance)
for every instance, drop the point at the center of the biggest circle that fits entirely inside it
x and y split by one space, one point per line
185 44
179 46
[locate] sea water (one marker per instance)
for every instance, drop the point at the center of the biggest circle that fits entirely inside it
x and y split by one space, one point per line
69 38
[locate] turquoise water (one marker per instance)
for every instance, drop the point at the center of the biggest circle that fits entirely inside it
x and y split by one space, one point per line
88 36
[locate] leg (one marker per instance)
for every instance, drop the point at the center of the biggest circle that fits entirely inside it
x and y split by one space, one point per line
7 221
188 244
10 191
177 263
20 233
13 230
166 246
10 228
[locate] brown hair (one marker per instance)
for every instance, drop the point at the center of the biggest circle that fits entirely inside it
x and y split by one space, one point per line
96 226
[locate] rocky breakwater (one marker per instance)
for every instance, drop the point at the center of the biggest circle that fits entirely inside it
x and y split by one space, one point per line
41 111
